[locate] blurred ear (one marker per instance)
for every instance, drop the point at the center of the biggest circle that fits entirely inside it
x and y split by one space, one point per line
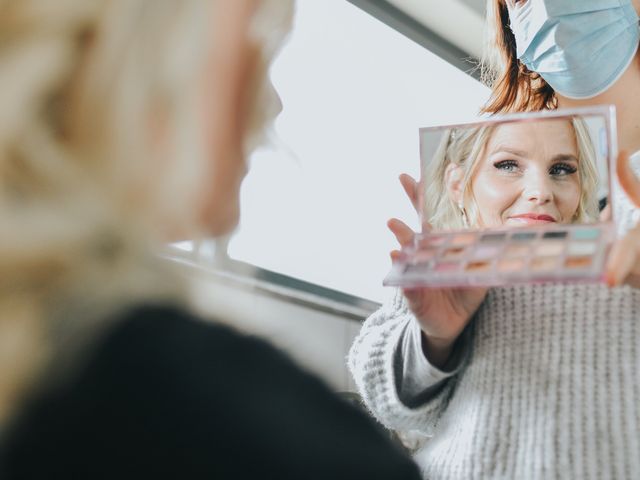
453 178
226 96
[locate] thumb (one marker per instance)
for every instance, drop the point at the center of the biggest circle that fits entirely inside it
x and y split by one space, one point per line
628 180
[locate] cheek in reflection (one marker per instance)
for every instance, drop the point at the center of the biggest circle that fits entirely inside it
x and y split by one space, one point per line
524 201
493 197
567 196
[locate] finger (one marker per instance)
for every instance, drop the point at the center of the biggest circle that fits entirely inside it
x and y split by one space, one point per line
426 227
622 258
396 256
410 187
628 181
618 263
402 232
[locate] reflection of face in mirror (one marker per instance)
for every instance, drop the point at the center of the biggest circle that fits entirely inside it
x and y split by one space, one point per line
528 174
514 174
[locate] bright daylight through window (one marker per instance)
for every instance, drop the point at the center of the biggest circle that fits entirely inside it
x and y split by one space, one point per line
355 93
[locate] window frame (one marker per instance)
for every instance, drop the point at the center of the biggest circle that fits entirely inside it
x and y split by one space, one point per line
212 255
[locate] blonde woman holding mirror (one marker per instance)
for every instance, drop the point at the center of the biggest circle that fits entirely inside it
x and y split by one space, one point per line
126 124
531 381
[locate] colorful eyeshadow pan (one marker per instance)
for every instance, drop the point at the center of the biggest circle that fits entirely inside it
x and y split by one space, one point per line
544 263
478 266
517 250
425 254
523 236
549 248
526 254
557 234
586 234
511 264
432 241
578 262
492 237
582 248
486 251
446 266
453 252
464 239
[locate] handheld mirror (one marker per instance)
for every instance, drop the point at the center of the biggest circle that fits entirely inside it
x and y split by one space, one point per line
519 198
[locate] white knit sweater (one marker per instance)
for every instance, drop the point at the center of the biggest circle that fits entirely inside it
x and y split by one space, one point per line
549 385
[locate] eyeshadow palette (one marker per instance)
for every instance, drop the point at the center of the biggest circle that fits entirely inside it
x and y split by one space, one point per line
524 255
542 179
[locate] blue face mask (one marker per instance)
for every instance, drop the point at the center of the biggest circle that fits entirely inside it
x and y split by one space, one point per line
580 47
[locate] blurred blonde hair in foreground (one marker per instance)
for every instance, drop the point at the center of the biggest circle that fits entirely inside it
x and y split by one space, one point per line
101 148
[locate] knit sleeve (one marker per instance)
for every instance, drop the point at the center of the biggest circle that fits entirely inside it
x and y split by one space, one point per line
372 363
417 379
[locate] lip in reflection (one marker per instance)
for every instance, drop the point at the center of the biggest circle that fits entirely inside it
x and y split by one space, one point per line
532 218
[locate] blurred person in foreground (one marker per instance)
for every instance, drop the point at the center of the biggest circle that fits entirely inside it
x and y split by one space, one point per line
125 123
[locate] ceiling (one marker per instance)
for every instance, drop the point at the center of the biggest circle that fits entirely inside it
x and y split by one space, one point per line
477 5
459 22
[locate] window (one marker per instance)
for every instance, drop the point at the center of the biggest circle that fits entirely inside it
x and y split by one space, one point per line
355 92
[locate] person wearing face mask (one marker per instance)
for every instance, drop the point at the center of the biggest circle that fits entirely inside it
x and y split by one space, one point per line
532 381
123 124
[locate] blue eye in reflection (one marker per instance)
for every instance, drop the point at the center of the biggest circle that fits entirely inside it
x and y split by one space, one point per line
562 169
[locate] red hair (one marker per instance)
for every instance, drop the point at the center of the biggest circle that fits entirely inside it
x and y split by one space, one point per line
515 88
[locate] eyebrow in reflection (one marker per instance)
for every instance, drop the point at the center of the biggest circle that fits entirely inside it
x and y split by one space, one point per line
560 157
509 150
565 157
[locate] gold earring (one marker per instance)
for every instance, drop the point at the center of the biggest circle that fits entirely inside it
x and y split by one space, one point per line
463 214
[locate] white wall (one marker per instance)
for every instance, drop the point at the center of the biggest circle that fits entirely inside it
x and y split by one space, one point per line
318 341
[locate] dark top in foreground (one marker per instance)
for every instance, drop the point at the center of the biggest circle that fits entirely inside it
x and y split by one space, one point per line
168 395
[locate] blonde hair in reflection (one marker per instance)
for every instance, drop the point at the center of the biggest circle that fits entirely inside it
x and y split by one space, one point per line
464 147
86 191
